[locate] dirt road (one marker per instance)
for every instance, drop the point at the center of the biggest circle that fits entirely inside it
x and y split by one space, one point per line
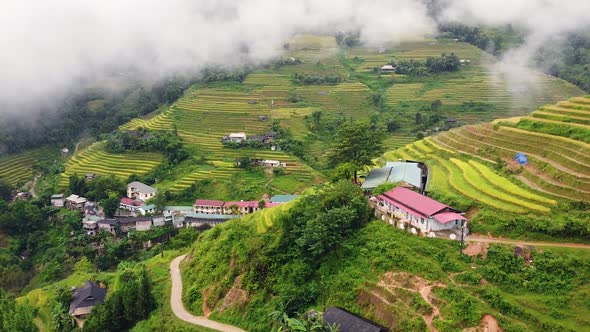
481 238
178 306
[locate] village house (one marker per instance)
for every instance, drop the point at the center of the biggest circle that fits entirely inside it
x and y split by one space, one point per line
90 176
147 209
22 196
108 225
57 200
241 207
269 163
90 209
141 224
346 321
208 206
238 137
138 190
158 221
130 204
269 137
387 69
421 212
90 224
175 214
75 202
199 219
85 298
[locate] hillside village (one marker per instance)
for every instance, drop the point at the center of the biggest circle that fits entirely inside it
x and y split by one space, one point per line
396 188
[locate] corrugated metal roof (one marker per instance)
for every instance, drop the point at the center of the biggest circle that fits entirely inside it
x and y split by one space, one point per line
282 198
407 172
394 172
376 177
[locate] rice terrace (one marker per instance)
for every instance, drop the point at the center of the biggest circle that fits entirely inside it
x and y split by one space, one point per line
419 165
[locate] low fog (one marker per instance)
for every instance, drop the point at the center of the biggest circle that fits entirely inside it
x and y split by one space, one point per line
50 47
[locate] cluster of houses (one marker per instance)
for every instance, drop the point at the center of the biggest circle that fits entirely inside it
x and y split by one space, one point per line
212 207
74 202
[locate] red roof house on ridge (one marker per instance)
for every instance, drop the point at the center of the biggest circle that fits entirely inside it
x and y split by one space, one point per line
420 211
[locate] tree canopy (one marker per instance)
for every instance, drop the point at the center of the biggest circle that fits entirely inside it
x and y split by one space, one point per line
357 144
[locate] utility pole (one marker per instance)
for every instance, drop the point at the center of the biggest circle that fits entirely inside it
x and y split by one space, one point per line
462 235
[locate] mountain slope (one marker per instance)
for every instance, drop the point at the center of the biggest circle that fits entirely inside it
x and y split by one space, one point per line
240 276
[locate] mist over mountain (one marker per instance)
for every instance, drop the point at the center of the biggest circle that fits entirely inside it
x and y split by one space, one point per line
51 49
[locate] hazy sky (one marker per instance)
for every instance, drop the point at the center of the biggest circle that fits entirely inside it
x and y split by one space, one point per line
48 46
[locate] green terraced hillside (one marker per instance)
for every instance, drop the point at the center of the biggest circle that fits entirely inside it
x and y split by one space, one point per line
96 160
18 168
476 94
207 112
463 161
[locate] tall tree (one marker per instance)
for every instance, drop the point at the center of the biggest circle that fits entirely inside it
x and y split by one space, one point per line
356 143
5 190
110 204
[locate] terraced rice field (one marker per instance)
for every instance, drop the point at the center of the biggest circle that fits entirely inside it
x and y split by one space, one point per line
350 98
455 174
461 163
160 122
477 84
412 50
18 167
207 115
96 160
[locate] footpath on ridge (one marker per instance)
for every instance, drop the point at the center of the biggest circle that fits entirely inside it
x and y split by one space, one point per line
178 306
483 238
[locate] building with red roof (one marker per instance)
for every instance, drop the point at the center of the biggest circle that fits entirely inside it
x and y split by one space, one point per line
422 212
241 207
130 204
208 206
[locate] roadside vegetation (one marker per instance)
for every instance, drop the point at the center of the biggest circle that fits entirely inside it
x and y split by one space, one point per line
302 262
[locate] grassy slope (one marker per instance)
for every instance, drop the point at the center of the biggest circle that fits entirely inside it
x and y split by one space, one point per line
162 319
352 273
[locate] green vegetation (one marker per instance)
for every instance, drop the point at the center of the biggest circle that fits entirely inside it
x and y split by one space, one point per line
18 168
15 317
95 159
432 65
376 271
355 146
131 302
472 168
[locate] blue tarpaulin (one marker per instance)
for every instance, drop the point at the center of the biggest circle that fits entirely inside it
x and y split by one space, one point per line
521 158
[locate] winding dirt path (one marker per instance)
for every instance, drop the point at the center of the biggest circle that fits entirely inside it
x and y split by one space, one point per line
33 185
178 306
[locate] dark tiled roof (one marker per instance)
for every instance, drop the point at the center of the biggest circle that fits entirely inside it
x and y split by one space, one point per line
88 296
346 321
129 220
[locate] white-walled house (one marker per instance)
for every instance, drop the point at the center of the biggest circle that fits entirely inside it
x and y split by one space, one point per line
419 211
58 200
208 206
141 191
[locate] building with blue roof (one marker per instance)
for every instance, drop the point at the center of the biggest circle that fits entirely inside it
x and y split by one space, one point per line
408 173
282 198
